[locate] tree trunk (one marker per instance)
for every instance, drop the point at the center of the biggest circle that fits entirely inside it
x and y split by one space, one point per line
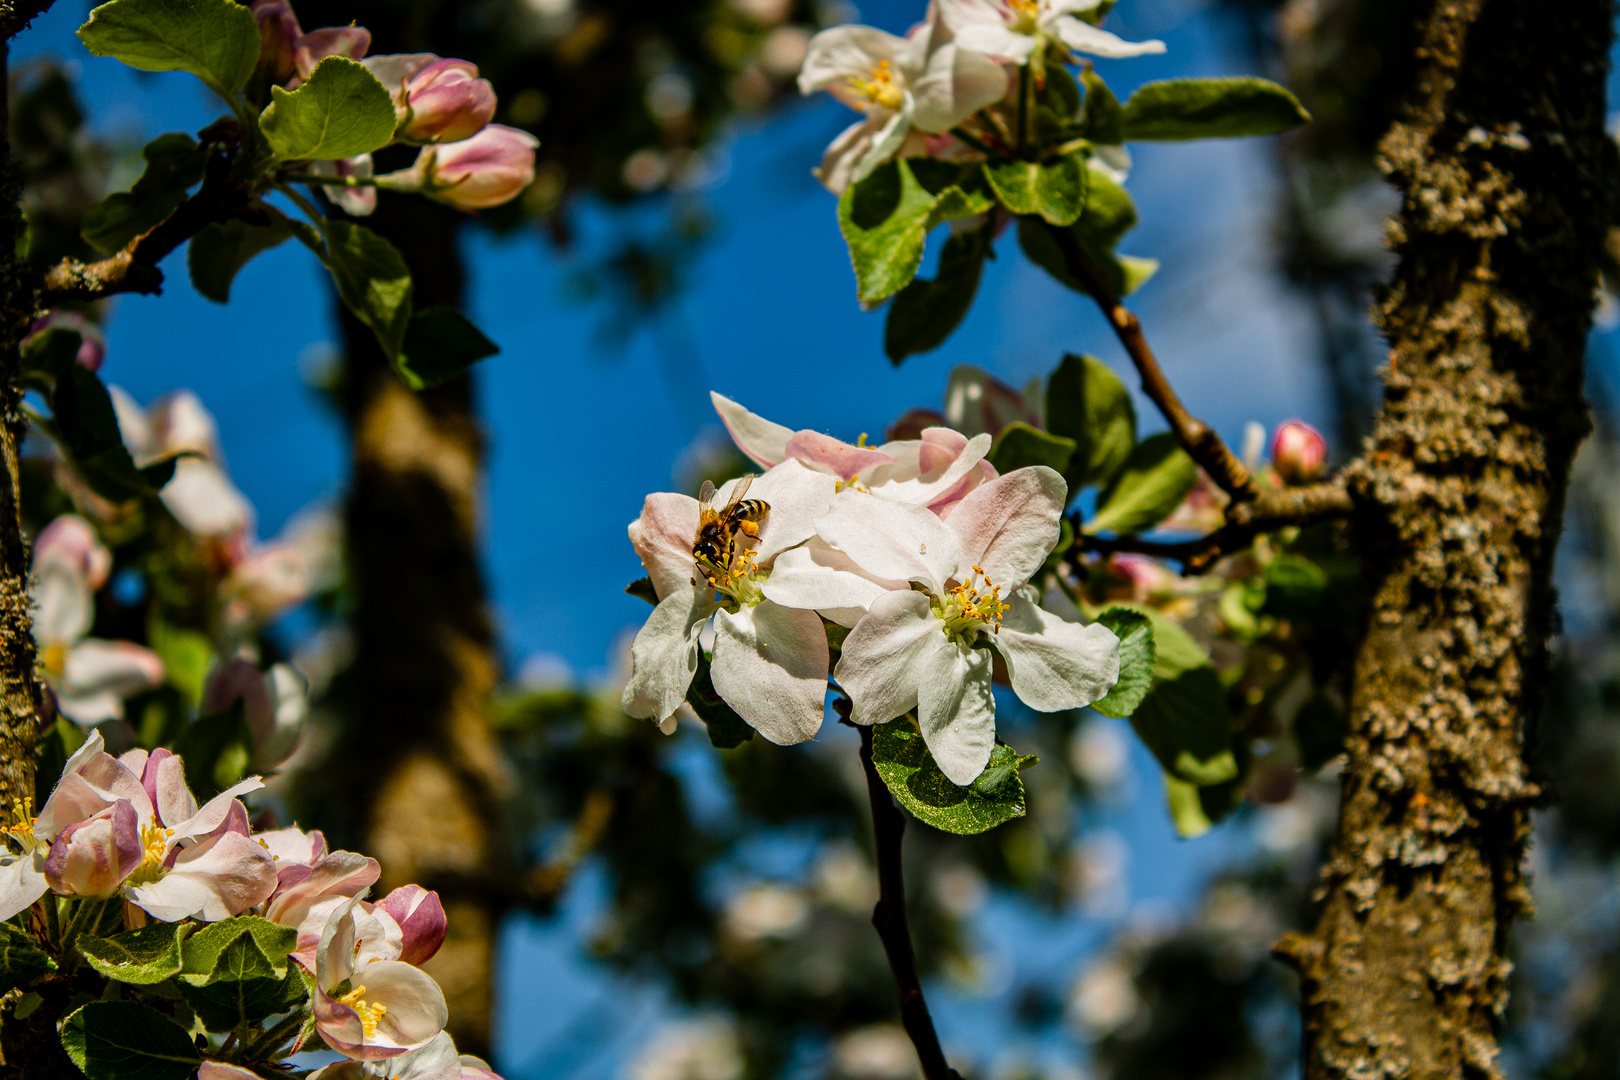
425 663
1505 172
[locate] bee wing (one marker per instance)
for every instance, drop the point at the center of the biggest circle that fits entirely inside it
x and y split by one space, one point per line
739 492
706 498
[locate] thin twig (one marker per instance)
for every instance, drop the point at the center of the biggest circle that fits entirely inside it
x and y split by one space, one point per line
135 269
1202 442
889 917
1272 509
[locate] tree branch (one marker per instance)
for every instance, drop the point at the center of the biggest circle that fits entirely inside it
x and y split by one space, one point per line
1271 509
135 269
1202 443
889 917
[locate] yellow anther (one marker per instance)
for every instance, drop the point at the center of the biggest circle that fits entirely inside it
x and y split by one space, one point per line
155 849
55 658
880 88
368 1014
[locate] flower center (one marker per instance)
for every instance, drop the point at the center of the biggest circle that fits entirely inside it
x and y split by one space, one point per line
972 606
737 576
22 827
1025 16
55 659
155 848
368 1014
880 89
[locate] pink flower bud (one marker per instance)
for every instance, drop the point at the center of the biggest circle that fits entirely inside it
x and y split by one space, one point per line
486 170
274 703
92 343
1299 452
94 856
317 45
278 35
421 919
913 422
445 102
71 540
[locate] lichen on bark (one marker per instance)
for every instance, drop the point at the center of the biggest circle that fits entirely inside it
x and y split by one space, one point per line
1504 171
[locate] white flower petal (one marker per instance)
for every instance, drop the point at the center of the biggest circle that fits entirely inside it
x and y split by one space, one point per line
763 441
797 496
663 658
861 148
663 536
996 40
770 665
842 52
64 606
957 83
882 657
819 577
22 881
220 877
1083 37
202 498
1010 525
891 540
924 476
1055 664
956 711
214 812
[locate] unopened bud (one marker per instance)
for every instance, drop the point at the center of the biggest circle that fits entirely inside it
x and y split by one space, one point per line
93 857
278 35
445 102
490 168
421 921
1299 452
317 45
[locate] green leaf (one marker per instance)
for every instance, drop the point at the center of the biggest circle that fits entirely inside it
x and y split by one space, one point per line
1156 478
223 248
643 587
903 761
241 997
1087 403
47 356
1298 589
143 957
123 1040
954 203
87 427
1137 658
1174 650
1110 212
212 953
441 343
924 313
1104 119
215 40
372 279
884 219
22 961
727 730
1187 724
216 750
1054 190
187 655
341 110
1211 109
174 162
1004 765
1020 445
1186 809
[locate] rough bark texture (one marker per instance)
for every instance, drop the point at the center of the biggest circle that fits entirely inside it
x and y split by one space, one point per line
425 665
1505 173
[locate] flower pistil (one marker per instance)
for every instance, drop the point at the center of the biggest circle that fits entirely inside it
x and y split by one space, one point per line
971 606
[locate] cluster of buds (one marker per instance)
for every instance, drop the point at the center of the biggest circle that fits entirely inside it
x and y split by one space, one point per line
129 826
915 556
440 103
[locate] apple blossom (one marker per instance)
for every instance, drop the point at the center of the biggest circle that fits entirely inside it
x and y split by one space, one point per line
368 1005
488 169
93 857
437 1060
769 662
200 496
939 597
355 201
1299 452
924 80
317 45
306 558
278 34
88 676
421 920
437 100
1013 29
976 401
275 704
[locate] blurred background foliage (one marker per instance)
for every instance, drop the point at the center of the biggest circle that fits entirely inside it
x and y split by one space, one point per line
737 884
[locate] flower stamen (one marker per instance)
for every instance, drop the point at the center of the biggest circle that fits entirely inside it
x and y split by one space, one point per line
369 1014
973 605
880 89
155 847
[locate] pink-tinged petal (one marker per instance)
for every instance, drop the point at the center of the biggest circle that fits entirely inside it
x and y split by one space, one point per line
135 761
394 70
215 811
819 577
476 1068
415 1013
909 483
293 845
97 675
956 711
763 441
180 421
446 102
663 658
663 537
844 460
1009 526
882 656
202 498
797 495
891 540
944 506
22 881
341 1070
1055 664
164 779
218 1070
222 876
317 45
938 448
339 873
956 83
421 920
72 540
64 604
436 1060
92 858
770 665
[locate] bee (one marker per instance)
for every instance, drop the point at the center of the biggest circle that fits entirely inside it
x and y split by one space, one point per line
716 538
